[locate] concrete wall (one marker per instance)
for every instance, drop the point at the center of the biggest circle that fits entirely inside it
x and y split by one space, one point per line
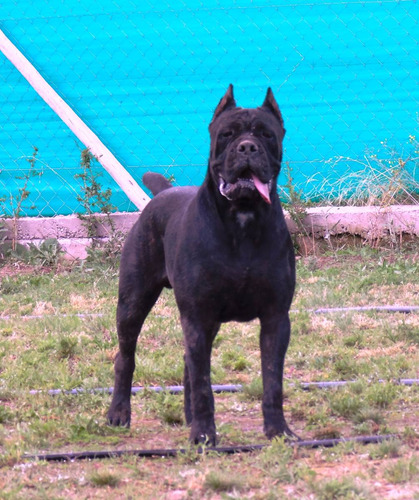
370 223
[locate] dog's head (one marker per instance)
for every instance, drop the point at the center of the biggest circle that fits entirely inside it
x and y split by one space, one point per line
246 149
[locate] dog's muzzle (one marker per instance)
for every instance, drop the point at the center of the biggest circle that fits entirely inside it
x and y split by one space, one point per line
227 189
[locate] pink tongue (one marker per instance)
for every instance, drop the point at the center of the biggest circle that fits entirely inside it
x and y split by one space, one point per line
262 188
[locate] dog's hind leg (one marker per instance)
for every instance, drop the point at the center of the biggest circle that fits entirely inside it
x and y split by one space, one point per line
136 298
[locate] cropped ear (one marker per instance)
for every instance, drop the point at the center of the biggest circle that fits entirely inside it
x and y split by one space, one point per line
271 103
226 102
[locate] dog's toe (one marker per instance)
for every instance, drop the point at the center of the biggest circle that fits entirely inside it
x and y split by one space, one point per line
119 418
203 438
273 431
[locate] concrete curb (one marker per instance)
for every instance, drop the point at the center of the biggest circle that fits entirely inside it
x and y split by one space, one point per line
370 223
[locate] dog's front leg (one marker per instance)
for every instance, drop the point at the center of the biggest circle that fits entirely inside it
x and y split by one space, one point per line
274 339
199 399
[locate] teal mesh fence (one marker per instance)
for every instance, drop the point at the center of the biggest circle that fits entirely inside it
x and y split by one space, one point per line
146 76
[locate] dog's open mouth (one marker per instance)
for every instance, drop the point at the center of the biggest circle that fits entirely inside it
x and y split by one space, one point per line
251 183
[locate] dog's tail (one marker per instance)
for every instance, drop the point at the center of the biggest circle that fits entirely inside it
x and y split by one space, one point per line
156 182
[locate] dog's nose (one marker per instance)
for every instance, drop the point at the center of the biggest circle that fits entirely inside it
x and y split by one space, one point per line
247 147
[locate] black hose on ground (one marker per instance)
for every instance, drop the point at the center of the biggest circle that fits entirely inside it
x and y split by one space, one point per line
173 452
176 389
320 310
391 309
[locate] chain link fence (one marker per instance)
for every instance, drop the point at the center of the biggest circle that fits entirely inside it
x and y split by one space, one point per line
146 76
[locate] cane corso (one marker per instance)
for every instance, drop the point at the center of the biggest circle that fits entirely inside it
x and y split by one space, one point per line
225 250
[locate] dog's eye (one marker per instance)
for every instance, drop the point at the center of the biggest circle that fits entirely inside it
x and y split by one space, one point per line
267 134
226 134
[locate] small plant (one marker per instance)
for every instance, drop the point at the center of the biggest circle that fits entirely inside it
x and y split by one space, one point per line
222 482
369 415
340 488
5 415
234 361
47 254
345 368
104 478
345 405
276 460
16 202
354 340
381 395
295 205
387 449
95 200
3 236
85 429
301 323
297 209
66 347
254 390
327 432
402 471
169 408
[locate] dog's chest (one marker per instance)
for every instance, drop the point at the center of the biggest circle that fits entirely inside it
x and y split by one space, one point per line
244 219
240 285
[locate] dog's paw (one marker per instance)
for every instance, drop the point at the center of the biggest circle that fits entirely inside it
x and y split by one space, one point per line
203 439
272 432
119 418
207 437
291 436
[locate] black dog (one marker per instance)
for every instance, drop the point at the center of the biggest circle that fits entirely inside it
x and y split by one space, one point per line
227 253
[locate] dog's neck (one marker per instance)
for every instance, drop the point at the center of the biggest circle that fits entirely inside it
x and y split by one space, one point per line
243 220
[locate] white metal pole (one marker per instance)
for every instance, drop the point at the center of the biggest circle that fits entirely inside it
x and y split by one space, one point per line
125 181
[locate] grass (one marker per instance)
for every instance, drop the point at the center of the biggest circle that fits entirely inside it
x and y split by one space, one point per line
57 349
384 179
104 478
403 471
220 481
340 488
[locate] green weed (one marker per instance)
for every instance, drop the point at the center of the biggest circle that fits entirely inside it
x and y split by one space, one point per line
17 202
46 254
344 404
66 347
276 461
368 414
254 390
346 368
104 478
6 416
94 199
220 481
234 361
168 407
381 395
340 489
391 448
402 471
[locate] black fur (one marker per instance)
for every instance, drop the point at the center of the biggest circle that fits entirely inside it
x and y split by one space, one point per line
225 250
